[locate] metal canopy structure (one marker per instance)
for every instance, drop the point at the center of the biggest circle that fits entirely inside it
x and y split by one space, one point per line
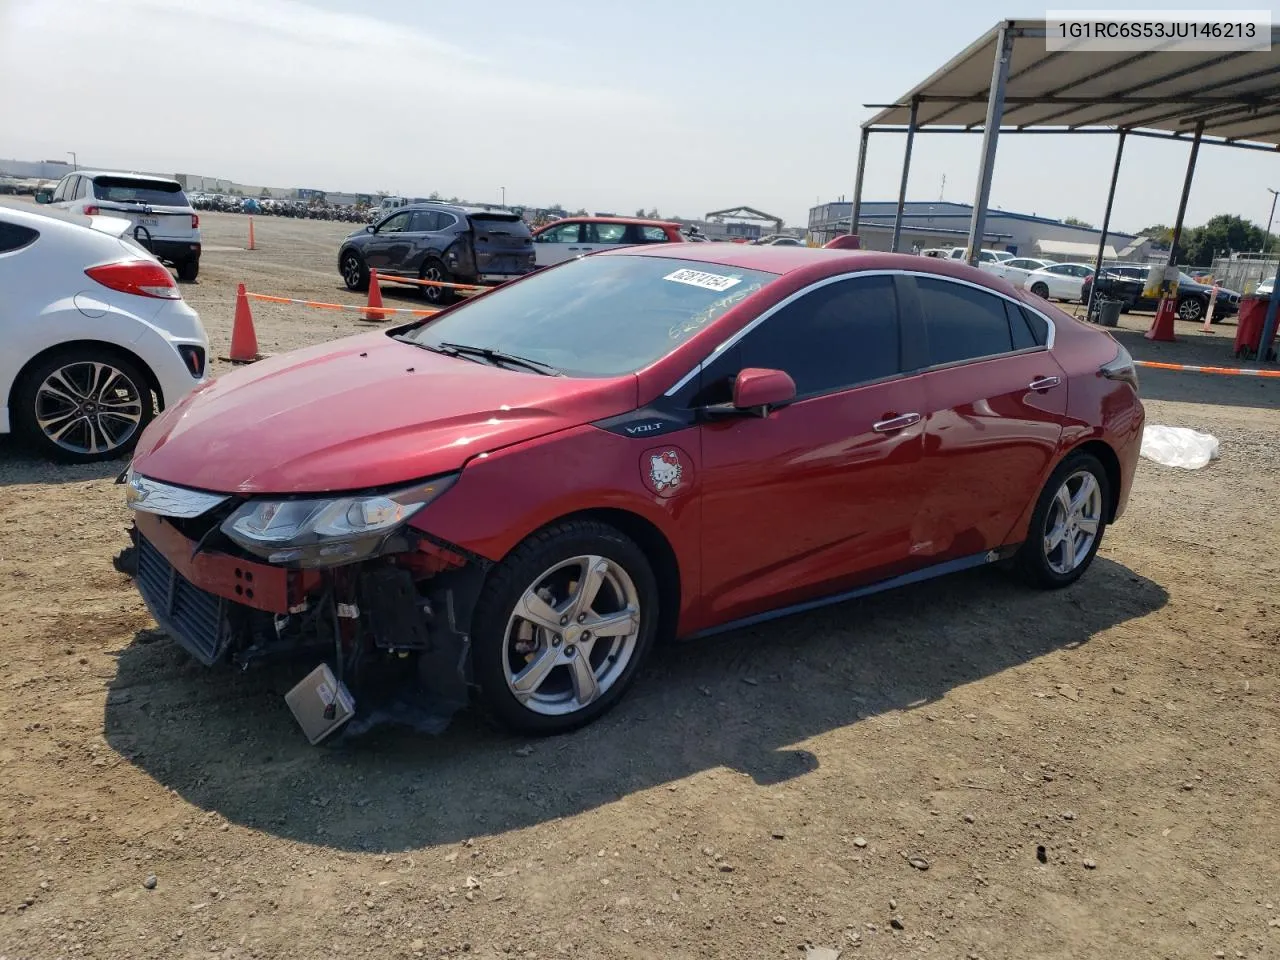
746 213
1008 82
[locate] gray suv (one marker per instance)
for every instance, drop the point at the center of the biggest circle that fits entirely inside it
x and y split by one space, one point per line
442 242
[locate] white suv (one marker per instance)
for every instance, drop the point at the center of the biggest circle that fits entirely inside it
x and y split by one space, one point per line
94 333
162 218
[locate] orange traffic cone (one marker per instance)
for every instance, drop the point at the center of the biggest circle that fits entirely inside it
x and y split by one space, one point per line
1162 325
251 233
244 342
374 306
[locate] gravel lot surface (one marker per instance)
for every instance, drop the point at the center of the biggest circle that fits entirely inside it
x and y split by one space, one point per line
959 769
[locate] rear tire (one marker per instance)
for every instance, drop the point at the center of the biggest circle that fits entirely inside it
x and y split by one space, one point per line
1041 290
1068 523
436 296
355 272
188 270
544 680
83 405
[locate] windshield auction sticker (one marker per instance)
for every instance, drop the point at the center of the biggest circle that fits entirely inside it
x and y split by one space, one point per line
707 281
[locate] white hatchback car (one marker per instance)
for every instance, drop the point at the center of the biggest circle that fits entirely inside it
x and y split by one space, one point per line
96 335
161 216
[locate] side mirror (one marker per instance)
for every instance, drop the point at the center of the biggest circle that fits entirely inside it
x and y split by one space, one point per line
44 195
756 391
370 229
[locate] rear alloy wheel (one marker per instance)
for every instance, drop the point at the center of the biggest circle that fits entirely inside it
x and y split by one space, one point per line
1068 523
1190 309
435 271
188 270
562 626
354 272
82 406
1041 290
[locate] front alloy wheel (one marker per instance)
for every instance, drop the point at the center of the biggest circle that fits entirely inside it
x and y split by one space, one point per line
1190 308
562 625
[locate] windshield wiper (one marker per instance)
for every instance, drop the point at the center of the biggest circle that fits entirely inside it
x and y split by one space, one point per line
498 356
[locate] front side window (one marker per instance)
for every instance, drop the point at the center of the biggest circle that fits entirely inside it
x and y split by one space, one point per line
397 224
564 233
61 192
598 316
962 323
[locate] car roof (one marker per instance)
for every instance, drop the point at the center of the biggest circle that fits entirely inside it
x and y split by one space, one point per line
636 221
815 262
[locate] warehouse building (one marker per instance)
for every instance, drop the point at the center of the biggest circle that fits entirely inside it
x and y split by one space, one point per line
941 223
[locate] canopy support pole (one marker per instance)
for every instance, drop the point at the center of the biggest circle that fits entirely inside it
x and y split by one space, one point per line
856 210
906 172
1106 221
990 133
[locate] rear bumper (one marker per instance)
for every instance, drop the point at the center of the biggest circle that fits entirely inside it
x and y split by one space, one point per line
174 251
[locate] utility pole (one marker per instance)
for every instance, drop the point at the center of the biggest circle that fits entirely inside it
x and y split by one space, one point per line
74 165
942 190
504 197
1274 195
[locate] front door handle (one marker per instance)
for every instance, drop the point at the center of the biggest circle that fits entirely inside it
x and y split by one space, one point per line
1044 383
900 422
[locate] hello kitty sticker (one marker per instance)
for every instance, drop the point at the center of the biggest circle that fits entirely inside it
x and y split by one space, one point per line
665 471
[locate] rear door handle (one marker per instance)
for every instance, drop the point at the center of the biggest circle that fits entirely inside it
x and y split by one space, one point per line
1044 383
896 423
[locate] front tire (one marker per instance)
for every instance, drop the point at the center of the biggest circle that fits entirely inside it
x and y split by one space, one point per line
1067 525
355 272
83 405
562 626
1190 309
188 270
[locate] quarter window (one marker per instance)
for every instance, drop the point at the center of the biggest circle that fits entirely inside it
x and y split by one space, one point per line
836 337
962 323
653 234
13 236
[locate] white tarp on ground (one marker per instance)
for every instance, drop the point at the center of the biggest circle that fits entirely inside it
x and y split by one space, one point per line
1075 250
1178 446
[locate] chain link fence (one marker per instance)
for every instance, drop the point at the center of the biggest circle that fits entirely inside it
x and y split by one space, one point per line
1241 274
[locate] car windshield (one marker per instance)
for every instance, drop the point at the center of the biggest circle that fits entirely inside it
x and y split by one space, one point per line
598 316
132 190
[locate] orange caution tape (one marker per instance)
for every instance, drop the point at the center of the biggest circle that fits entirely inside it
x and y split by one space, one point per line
1189 368
383 278
382 311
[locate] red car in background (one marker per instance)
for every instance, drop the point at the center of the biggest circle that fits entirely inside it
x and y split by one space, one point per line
575 237
517 496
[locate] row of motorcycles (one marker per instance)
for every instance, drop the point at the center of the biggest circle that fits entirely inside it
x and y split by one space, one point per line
281 208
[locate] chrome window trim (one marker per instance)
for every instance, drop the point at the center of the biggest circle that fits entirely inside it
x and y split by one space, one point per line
736 338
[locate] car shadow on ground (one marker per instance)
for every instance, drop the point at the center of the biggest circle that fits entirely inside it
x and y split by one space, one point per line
20 465
227 743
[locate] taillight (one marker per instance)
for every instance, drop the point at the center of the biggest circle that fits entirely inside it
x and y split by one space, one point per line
91 211
195 221
1121 368
142 278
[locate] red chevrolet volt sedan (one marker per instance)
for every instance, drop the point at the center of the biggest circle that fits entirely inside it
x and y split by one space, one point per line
514 498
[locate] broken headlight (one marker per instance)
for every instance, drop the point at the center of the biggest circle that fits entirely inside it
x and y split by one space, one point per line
327 531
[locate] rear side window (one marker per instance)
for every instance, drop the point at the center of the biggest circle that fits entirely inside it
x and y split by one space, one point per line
606 232
1038 325
135 190
653 234
425 221
963 323
15 237
836 337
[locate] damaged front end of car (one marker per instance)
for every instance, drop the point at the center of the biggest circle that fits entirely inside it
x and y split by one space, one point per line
380 608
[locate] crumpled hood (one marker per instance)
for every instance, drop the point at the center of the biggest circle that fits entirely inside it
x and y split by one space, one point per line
366 411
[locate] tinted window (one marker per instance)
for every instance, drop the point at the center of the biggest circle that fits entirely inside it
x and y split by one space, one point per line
598 316
134 190
425 221
653 234
963 323
1038 324
14 237
838 336
565 233
1023 339
447 221
1023 264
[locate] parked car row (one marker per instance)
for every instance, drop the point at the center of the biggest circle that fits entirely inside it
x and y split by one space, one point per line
1127 283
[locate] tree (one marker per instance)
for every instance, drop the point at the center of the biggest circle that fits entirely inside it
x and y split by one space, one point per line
435 195
1077 222
1158 232
265 194
640 213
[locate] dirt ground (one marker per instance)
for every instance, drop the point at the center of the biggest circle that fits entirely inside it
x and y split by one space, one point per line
960 769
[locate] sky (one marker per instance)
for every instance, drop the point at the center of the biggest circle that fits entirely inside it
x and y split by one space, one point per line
683 105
